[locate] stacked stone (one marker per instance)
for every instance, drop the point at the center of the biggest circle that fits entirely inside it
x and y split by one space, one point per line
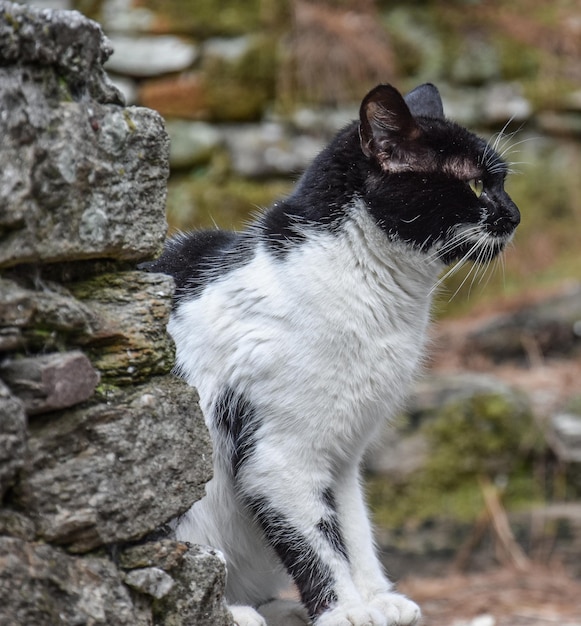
99 444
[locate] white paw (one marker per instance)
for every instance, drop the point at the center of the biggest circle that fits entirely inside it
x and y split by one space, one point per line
352 615
246 616
398 610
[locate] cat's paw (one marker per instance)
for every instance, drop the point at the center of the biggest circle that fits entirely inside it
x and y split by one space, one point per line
287 612
352 615
398 610
246 616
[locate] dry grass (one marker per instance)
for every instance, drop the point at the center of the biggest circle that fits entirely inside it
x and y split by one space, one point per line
334 52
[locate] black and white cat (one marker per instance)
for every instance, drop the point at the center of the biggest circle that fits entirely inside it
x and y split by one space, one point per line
302 335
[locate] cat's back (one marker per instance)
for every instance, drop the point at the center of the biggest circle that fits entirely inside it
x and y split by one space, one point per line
195 259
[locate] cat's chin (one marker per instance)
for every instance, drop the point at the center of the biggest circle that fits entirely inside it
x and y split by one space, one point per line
481 249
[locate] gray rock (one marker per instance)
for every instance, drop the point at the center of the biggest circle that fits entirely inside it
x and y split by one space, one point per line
502 102
202 574
51 381
565 436
61 47
118 469
31 317
44 586
463 105
150 55
164 554
12 437
477 62
118 318
322 122
192 143
151 581
127 86
267 150
230 49
17 525
548 328
127 341
78 204
76 169
49 305
122 16
81 177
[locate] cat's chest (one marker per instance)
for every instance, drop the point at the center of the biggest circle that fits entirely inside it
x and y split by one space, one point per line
320 329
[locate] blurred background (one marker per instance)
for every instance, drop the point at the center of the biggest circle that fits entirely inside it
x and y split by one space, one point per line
484 468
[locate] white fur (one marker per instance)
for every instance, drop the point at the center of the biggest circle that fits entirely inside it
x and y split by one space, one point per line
325 343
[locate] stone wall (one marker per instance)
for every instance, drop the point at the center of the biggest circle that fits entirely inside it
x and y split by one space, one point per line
99 444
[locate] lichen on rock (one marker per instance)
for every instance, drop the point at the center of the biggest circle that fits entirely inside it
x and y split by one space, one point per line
99 444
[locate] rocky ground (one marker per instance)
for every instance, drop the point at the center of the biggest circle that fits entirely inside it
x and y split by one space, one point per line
543 592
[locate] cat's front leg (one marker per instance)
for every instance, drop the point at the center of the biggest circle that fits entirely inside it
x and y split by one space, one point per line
301 526
368 576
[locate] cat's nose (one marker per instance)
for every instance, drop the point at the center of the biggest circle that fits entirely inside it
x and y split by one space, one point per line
504 224
513 214
506 220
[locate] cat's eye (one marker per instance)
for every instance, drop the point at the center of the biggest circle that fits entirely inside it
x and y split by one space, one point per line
477 186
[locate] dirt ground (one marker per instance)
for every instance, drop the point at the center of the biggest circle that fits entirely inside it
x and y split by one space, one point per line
501 597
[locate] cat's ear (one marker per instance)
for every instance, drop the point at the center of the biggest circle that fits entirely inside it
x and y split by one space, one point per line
425 101
386 123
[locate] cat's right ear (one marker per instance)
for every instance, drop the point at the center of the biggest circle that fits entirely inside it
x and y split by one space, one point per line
386 124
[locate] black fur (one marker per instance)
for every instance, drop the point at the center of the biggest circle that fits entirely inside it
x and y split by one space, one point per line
312 576
197 258
330 527
236 419
407 163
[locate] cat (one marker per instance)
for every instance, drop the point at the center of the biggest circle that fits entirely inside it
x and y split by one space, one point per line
302 334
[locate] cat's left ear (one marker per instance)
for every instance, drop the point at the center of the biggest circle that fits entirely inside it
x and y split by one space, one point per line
387 125
425 101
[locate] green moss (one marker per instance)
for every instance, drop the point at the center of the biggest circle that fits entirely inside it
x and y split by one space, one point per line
10 19
480 436
241 89
574 404
206 18
90 8
206 201
129 120
97 286
64 90
486 435
518 61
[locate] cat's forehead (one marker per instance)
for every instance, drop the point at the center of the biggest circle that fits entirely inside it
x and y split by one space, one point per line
463 154
462 167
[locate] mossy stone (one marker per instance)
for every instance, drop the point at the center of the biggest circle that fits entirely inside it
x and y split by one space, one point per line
487 435
209 17
240 88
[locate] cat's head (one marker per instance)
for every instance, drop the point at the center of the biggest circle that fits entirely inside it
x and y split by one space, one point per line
431 183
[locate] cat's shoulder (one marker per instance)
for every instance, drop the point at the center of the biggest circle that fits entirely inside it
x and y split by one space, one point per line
196 258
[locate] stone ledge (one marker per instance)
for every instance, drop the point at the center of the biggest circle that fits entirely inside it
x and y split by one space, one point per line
115 470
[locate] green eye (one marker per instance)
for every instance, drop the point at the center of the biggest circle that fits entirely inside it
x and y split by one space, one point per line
477 186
